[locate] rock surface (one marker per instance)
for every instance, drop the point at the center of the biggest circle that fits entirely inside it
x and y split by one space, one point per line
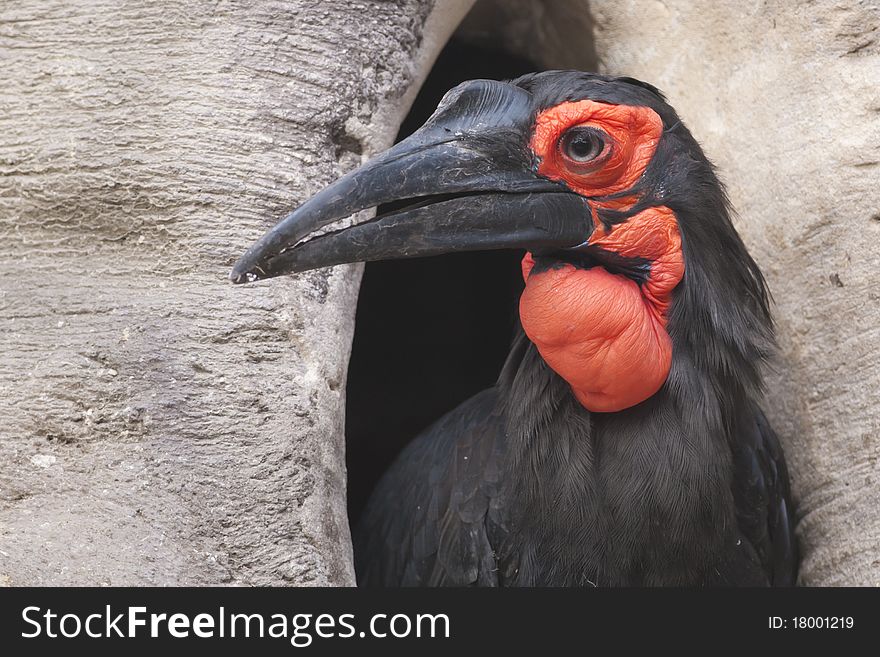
158 425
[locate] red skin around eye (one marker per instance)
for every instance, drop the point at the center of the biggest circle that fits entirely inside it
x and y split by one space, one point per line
634 132
602 332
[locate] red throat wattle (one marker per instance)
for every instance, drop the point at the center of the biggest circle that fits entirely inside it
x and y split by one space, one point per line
602 332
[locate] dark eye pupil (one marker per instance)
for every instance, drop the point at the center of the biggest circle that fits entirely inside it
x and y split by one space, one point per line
583 145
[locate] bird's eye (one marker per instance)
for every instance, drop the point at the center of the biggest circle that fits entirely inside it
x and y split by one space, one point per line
582 144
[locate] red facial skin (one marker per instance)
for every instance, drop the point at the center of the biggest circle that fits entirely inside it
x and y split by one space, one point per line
602 332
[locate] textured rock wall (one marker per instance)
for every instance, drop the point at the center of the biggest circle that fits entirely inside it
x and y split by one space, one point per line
157 425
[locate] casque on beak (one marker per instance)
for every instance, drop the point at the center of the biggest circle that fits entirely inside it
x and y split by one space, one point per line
473 186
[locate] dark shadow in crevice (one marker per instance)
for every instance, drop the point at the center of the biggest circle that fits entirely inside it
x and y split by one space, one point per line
429 332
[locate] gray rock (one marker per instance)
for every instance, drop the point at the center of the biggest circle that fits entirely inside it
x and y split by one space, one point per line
157 424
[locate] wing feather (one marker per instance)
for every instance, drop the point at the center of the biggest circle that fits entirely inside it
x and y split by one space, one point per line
441 527
762 494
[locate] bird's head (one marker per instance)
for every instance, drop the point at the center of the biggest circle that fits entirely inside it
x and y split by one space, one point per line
631 253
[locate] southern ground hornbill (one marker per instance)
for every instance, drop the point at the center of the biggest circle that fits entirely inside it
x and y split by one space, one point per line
624 443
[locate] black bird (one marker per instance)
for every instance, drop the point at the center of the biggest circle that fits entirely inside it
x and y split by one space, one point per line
624 443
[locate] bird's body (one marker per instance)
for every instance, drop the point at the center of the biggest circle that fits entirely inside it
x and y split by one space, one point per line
624 443
522 486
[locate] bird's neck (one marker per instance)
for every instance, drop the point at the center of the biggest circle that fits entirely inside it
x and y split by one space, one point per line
603 332
640 496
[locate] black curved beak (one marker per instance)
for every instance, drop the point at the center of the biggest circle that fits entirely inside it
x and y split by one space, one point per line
471 181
